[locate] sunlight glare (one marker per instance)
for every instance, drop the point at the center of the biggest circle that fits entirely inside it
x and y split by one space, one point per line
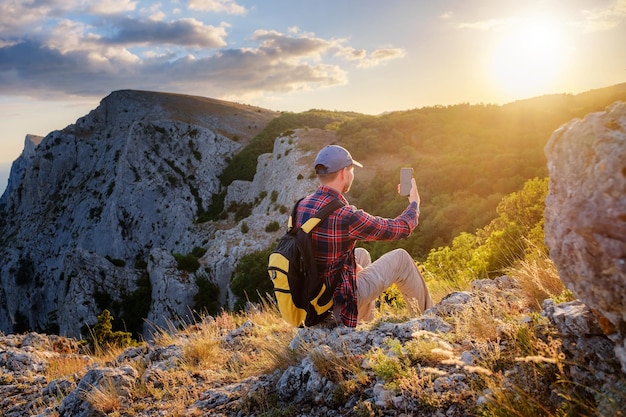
528 58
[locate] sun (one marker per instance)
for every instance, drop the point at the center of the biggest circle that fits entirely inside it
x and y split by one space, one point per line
528 57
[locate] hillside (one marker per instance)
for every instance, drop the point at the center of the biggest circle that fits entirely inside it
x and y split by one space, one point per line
466 157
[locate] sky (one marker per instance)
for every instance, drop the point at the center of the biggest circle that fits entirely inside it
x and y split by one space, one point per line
59 58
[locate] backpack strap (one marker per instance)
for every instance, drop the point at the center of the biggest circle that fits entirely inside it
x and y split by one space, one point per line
321 215
317 218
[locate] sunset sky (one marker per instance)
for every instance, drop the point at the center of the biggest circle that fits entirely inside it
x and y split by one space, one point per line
59 58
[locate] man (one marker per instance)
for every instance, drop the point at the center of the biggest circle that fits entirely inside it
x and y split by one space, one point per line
334 243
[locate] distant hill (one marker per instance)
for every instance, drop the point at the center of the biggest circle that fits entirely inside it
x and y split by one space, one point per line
466 157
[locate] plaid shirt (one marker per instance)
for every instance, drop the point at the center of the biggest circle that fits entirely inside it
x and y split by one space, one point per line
334 241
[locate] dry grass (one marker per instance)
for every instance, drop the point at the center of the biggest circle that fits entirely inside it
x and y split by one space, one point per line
104 398
262 346
540 279
338 367
65 366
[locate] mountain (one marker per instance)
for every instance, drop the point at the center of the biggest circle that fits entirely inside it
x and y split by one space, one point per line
103 213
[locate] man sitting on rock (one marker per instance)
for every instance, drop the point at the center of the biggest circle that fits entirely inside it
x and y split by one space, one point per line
334 243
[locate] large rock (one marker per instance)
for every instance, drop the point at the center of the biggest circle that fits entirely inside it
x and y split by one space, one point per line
586 213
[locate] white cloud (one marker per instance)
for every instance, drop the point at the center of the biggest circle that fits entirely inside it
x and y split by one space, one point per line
371 59
600 19
447 15
17 15
489 24
154 12
107 7
217 6
108 48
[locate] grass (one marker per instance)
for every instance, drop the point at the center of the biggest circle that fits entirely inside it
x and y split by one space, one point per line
66 366
104 398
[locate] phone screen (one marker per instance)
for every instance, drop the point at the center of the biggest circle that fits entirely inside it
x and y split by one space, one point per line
406 174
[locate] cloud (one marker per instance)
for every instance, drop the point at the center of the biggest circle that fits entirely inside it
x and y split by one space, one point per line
182 32
485 25
217 6
601 19
376 57
278 63
16 15
447 15
53 53
284 46
105 7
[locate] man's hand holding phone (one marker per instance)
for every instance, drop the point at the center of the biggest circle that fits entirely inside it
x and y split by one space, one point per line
408 187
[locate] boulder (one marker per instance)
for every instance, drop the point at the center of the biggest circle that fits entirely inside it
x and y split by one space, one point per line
585 213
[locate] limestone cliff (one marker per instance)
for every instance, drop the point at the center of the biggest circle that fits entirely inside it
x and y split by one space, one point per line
586 214
101 203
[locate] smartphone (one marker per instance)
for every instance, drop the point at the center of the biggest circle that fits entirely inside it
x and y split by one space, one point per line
406 174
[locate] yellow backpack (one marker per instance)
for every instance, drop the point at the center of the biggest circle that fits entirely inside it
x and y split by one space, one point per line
303 298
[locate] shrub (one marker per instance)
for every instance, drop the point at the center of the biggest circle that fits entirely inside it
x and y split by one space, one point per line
136 305
198 252
250 280
214 211
272 227
207 297
187 262
102 335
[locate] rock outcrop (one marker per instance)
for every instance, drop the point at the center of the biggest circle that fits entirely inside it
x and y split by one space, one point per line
19 165
586 214
96 206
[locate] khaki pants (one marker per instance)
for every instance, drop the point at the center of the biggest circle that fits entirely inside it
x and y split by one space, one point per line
395 267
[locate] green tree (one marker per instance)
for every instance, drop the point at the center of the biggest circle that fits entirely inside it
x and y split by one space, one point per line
516 233
103 335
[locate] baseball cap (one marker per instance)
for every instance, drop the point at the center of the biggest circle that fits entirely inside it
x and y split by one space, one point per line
332 158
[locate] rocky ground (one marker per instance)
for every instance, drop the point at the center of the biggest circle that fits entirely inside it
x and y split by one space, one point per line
476 351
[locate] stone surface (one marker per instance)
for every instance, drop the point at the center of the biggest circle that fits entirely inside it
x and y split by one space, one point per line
586 211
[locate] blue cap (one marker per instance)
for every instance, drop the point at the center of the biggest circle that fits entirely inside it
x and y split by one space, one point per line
332 158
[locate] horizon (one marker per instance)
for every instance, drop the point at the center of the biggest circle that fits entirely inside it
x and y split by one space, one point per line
58 60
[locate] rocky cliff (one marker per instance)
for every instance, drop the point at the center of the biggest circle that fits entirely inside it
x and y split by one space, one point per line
107 201
586 214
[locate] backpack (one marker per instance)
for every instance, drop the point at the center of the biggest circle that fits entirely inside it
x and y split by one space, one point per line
302 296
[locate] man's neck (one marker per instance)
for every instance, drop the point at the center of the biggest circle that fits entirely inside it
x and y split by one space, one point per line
335 187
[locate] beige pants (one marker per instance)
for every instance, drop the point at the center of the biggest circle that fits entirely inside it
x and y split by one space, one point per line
395 267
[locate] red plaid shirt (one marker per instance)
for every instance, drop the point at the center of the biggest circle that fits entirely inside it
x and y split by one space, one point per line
334 241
